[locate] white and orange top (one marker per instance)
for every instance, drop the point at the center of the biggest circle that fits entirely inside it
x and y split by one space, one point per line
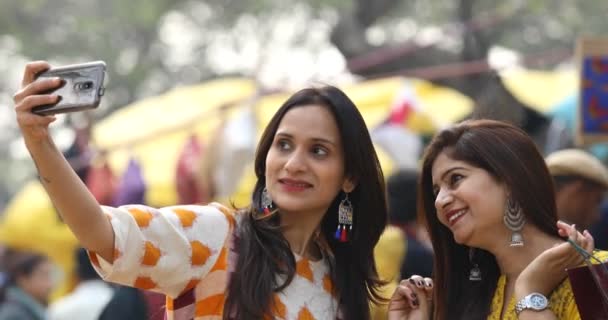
184 252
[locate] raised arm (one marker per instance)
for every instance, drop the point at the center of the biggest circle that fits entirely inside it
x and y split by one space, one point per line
69 195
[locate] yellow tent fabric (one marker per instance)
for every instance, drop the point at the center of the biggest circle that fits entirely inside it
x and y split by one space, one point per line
541 90
30 222
156 129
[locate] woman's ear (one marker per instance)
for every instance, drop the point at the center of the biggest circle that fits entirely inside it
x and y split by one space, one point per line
349 185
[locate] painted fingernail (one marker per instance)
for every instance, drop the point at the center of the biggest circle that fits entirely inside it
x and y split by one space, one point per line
415 302
428 284
412 281
419 283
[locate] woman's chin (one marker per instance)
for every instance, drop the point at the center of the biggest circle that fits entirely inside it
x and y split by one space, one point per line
462 239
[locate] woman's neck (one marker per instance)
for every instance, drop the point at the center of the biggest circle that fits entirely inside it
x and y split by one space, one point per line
301 230
513 260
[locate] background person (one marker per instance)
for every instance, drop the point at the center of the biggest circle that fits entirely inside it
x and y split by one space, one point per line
27 287
581 181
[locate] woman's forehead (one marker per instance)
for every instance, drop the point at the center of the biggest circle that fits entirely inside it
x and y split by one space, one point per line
444 163
311 122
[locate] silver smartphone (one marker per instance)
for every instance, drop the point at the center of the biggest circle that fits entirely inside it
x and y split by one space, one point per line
82 88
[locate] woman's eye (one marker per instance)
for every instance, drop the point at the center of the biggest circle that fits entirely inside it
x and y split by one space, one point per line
319 151
283 145
455 178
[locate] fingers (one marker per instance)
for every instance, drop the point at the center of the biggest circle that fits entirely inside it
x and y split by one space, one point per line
567 230
32 69
564 229
429 284
425 284
30 102
583 240
406 294
416 290
36 88
589 244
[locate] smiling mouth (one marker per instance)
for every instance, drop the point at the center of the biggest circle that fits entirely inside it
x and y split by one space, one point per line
453 216
294 185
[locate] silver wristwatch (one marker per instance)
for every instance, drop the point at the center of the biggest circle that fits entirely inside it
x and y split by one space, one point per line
534 301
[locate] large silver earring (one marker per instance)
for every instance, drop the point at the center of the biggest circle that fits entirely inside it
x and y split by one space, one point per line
345 220
514 220
475 273
266 202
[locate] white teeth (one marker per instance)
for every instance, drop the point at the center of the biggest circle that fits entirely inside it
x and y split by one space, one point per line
301 185
456 215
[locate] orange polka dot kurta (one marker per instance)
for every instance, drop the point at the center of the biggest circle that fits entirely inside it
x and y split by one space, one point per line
184 252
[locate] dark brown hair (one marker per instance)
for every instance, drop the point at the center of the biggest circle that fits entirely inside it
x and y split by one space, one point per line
509 155
17 264
266 264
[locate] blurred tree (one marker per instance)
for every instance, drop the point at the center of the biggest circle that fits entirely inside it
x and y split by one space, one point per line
455 52
123 33
151 46
138 38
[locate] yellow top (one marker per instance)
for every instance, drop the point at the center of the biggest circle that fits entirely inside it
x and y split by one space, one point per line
561 300
389 254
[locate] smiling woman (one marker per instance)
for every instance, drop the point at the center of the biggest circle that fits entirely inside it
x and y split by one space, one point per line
317 172
488 201
305 165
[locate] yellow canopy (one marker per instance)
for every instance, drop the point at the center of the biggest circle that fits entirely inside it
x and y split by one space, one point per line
541 90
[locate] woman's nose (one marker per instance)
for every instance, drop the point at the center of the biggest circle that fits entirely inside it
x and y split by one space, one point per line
443 199
295 162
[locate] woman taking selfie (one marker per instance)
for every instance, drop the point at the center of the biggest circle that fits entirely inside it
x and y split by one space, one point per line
302 250
488 201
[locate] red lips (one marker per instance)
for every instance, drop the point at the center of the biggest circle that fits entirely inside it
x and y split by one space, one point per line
452 217
294 185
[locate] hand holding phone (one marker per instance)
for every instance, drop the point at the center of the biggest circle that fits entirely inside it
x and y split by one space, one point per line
82 88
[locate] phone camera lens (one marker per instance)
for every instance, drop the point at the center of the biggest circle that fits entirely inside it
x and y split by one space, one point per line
84 85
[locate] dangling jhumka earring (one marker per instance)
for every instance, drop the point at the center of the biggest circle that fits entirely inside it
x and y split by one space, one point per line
266 202
345 220
514 220
475 273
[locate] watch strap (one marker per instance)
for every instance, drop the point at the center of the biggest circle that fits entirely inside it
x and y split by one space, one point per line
526 304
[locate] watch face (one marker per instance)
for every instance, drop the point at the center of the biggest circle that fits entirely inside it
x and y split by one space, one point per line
538 301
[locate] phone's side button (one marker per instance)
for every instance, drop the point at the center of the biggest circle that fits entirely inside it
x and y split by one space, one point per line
102 90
